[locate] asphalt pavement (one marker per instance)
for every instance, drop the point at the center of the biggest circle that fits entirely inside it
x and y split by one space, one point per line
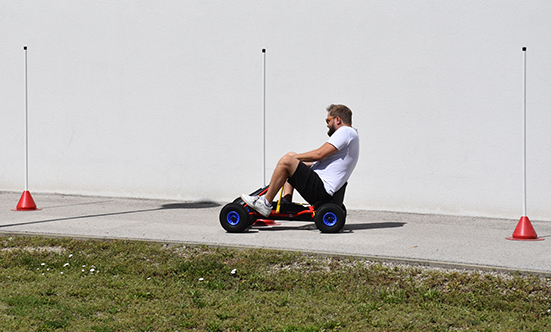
422 239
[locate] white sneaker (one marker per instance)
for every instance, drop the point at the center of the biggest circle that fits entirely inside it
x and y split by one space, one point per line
258 203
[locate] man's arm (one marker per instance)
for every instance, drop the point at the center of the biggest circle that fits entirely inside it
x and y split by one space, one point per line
324 151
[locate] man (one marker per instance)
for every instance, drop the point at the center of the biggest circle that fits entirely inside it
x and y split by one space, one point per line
319 173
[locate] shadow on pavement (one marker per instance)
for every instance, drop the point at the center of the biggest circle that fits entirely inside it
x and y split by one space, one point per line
191 205
373 225
348 228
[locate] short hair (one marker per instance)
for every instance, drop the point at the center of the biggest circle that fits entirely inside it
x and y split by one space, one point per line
342 112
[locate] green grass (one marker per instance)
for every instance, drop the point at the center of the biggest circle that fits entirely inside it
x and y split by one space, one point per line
76 285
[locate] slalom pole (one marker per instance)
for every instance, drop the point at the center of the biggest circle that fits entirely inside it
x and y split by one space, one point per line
524 230
26 202
524 213
26 125
264 117
264 222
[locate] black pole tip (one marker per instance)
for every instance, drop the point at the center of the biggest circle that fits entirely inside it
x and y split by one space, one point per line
25 48
524 48
263 50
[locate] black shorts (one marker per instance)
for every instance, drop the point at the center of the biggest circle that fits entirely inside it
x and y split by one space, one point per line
309 185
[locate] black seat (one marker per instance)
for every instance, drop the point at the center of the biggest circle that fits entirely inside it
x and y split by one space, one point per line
338 196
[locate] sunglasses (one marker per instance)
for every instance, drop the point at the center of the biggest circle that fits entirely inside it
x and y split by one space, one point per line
329 119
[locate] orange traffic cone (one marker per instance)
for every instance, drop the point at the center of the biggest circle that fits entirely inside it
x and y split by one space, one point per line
524 231
26 203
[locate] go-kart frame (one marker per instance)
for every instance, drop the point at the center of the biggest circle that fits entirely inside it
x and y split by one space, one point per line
329 217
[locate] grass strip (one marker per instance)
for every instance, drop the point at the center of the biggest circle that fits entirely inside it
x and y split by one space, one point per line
86 285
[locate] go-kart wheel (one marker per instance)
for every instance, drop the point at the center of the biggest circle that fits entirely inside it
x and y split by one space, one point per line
234 218
329 218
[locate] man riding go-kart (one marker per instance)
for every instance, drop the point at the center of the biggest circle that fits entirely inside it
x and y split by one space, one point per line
318 175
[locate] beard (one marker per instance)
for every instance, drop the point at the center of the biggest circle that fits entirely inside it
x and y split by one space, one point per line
331 131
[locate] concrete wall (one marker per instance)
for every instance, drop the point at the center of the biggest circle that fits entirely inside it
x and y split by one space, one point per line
164 98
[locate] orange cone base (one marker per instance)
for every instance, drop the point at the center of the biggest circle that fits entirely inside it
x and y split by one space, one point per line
26 203
265 222
524 231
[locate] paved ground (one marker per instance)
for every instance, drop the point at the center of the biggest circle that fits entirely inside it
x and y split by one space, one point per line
436 240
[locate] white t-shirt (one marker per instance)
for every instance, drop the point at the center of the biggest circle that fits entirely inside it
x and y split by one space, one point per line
335 170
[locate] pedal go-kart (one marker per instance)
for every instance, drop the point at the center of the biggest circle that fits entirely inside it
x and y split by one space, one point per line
330 217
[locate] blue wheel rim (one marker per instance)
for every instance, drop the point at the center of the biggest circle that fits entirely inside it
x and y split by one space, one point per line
233 218
330 219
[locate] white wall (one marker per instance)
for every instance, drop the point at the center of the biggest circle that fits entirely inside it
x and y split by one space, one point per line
164 98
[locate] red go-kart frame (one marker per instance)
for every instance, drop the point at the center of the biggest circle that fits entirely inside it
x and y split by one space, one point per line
329 217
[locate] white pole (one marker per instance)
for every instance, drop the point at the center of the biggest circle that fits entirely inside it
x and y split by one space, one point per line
26 127
524 132
264 118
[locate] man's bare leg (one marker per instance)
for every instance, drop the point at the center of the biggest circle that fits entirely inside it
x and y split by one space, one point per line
285 168
288 192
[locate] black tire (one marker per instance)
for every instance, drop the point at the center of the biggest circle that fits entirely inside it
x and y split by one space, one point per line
330 218
234 218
